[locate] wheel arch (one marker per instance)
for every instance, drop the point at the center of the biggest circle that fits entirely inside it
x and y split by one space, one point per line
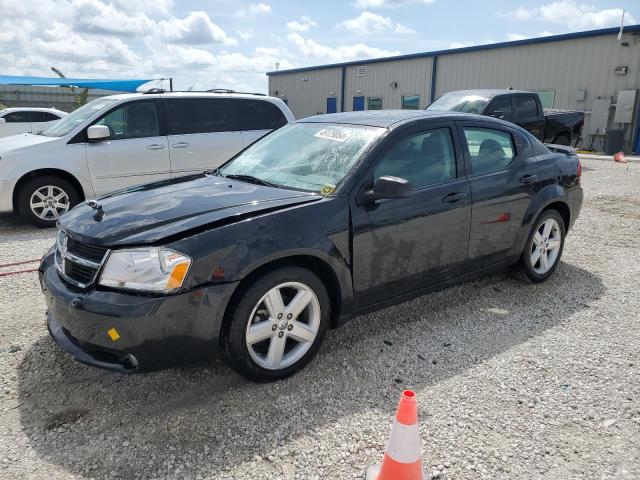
312 263
563 209
46 171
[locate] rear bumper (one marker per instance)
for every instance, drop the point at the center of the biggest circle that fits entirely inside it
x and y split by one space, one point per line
6 195
126 332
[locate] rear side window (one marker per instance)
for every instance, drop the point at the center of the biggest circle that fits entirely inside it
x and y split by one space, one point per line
490 150
197 115
526 107
500 108
258 115
17 117
43 117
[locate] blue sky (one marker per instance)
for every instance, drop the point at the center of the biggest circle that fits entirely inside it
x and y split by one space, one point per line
231 44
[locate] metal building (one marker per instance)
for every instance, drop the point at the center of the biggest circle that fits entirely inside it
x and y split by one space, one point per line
593 71
62 98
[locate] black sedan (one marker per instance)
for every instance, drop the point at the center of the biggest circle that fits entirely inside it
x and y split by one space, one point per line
322 220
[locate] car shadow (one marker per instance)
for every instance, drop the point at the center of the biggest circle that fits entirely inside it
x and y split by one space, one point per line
207 419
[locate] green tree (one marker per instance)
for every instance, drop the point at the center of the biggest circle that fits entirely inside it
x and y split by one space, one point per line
80 98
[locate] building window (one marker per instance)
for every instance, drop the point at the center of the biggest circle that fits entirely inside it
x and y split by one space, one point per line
374 103
547 97
410 102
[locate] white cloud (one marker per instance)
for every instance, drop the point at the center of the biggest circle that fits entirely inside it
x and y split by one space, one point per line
93 16
245 34
371 23
254 9
573 15
461 44
301 25
195 29
316 51
519 36
364 4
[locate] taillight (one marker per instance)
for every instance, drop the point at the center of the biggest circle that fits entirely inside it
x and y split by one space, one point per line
579 168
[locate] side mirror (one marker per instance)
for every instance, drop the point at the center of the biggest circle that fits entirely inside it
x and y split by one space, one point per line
497 114
387 187
3 120
97 133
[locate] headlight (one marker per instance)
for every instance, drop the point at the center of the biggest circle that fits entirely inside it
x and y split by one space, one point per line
150 270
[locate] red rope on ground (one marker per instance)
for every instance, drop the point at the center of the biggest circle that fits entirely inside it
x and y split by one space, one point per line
5 274
3 265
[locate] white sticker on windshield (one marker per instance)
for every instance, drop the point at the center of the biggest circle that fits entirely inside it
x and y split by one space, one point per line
333 134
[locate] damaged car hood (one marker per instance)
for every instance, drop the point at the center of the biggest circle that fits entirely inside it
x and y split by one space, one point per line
152 212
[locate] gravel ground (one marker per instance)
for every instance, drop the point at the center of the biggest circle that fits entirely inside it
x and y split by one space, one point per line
513 380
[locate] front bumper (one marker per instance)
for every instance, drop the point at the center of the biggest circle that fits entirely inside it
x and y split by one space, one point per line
6 195
127 332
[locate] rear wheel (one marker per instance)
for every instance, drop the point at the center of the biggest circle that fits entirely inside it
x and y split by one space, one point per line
562 140
277 324
42 200
544 246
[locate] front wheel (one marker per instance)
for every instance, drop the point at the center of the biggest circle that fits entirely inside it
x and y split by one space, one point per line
43 199
544 246
277 324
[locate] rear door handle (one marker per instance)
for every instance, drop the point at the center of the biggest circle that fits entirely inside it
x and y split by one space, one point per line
155 146
454 197
180 145
528 179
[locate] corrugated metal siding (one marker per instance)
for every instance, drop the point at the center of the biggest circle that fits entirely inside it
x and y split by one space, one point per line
306 93
56 97
413 78
566 66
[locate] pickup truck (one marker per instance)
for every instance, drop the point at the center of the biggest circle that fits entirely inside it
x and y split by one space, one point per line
560 127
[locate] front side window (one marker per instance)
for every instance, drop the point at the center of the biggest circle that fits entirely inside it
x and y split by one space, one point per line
490 150
78 117
500 108
526 107
133 120
17 117
313 157
197 115
425 158
410 102
374 103
258 115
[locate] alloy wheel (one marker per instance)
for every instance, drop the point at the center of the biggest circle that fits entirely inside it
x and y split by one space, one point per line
49 202
283 325
545 247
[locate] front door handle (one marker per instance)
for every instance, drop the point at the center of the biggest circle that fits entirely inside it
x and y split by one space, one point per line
180 145
454 197
155 146
528 179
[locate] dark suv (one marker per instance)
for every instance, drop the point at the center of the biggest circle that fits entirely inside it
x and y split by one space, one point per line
323 219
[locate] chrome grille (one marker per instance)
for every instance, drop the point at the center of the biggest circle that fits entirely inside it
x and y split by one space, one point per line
78 263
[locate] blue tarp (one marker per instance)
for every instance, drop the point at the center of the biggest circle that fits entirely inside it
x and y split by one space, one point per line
117 85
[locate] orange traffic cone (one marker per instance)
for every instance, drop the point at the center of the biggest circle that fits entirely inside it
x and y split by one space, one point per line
619 157
403 457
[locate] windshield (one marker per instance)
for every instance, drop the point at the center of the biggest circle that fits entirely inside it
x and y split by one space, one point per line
459 102
312 157
75 118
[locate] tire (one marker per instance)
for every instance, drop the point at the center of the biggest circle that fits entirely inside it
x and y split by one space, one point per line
562 140
536 271
249 353
43 189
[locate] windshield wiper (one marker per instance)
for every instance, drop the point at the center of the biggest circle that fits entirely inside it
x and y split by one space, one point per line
250 179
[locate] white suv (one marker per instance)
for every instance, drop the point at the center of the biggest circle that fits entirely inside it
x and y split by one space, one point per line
123 140
27 119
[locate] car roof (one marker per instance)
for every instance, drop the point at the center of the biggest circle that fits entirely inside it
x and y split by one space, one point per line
31 109
391 118
487 92
164 94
